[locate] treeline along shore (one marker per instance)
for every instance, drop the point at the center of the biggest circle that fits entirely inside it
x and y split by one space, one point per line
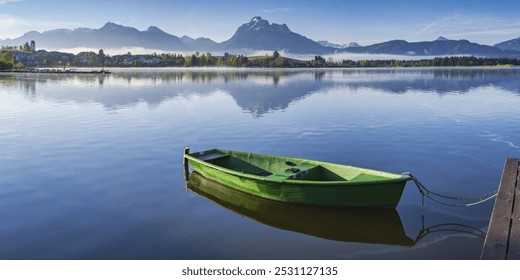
13 58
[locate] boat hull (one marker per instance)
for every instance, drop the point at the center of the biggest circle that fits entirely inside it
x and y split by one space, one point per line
374 194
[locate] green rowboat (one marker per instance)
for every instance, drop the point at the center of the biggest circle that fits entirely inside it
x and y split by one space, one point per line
302 181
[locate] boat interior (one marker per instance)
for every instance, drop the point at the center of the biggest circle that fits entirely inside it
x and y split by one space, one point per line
282 168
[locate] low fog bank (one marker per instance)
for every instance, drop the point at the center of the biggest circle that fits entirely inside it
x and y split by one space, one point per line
337 57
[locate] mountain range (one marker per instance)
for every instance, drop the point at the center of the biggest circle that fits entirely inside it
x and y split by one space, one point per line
513 45
338 46
256 35
435 48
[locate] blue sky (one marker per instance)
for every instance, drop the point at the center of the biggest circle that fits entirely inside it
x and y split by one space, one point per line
363 21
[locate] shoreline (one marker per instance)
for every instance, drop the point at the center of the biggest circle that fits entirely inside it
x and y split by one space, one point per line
109 70
54 71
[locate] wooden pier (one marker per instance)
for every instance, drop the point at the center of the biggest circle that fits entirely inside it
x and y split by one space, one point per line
503 236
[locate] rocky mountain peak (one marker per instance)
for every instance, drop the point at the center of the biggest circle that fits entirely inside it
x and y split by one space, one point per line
154 29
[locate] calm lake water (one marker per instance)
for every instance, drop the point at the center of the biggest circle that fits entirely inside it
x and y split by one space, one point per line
91 166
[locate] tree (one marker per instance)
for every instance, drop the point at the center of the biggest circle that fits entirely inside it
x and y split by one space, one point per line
203 61
209 59
187 61
193 60
93 60
101 57
233 61
318 60
26 47
4 63
276 55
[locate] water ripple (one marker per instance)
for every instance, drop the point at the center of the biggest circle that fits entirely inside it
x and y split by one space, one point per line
501 139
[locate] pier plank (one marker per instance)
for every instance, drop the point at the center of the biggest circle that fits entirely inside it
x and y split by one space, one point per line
514 237
497 239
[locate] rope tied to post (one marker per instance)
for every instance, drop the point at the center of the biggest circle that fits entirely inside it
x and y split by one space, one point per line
472 200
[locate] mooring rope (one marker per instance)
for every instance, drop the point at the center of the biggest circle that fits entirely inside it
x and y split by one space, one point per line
432 195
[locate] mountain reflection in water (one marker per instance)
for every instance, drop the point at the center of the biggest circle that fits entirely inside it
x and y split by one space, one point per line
273 89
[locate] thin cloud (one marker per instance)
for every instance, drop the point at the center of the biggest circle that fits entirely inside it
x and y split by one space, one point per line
277 10
9 1
10 21
474 25
12 27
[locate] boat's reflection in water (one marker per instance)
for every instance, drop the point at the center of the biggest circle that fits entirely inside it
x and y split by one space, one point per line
361 225
364 225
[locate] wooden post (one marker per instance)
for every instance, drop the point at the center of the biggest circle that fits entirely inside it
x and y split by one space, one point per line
514 237
502 240
186 167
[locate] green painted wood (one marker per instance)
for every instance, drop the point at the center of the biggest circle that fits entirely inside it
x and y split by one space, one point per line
497 238
297 180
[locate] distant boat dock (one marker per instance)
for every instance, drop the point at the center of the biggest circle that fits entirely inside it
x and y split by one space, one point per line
503 236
